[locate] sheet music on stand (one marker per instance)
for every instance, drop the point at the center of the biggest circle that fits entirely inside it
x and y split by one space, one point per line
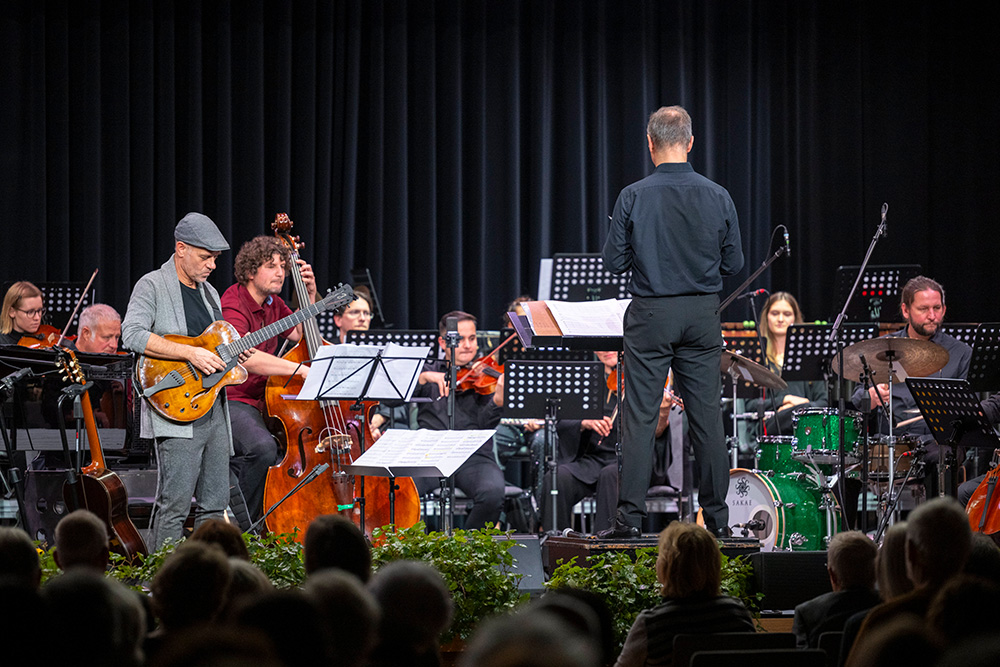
808 348
421 453
582 277
342 372
579 386
984 367
952 409
404 337
877 298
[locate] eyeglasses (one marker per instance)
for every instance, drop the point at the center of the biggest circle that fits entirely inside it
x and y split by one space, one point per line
358 313
32 313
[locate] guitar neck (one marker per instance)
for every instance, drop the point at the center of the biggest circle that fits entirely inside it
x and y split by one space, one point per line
96 452
237 347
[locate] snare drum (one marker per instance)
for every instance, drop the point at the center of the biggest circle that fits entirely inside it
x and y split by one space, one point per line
878 456
817 435
792 512
774 454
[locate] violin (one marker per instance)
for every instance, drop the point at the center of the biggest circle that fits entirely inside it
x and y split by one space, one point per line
45 337
613 388
481 377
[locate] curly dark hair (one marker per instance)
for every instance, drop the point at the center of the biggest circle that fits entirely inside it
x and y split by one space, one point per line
255 253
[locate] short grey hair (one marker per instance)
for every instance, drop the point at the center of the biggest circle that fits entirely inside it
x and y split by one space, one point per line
851 556
98 312
669 126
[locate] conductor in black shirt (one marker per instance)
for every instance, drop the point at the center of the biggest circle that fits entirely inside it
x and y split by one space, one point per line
679 234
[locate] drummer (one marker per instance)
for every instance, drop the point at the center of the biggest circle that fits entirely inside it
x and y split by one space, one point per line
780 311
922 305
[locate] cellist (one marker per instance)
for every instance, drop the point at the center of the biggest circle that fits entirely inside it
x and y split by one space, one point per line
991 408
23 309
250 304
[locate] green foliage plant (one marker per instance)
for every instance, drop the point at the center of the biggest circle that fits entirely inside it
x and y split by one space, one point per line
477 565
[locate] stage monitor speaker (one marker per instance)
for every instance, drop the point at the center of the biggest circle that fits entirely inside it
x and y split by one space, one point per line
44 504
788 578
528 562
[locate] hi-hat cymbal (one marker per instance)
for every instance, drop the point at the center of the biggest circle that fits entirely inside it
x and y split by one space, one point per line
913 356
751 371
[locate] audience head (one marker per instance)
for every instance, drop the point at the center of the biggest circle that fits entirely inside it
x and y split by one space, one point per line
100 329
217 646
891 563
334 541
246 582
19 558
349 614
964 607
292 622
190 587
530 638
850 561
904 640
223 534
92 610
689 561
938 541
22 308
81 541
605 619
984 558
416 605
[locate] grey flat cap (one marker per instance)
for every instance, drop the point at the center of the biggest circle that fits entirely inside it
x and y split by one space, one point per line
199 230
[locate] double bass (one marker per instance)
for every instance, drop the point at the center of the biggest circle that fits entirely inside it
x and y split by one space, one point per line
318 432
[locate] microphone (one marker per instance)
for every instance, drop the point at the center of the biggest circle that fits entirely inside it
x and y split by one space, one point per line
788 248
883 224
8 382
756 292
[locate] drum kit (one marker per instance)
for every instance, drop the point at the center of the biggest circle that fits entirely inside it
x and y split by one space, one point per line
787 501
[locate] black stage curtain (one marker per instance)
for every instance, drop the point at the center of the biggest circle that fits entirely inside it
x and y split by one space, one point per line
448 145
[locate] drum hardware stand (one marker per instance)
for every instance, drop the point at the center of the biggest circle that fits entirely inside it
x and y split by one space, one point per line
886 509
890 505
836 335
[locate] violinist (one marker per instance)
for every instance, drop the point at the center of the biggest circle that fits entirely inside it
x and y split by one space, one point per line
480 477
588 460
23 309
249 305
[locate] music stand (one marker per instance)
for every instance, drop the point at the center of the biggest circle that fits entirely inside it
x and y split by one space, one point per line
984 367
808 348
879 290
582 277
364 277
965 333
61 298
745 346
404 337
553 390
365 372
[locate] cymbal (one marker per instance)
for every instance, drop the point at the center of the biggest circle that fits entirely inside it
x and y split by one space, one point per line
913 356
751 371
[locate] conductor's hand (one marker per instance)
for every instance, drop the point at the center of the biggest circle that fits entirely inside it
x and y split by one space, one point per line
600 426
435 377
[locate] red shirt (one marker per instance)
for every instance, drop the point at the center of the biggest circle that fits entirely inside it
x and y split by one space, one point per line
242 311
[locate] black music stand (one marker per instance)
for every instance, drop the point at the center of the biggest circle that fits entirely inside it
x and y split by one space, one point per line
879 290
984 367
364 277
61 298
404 337
582 277
745 346
808 348
553 390
965 333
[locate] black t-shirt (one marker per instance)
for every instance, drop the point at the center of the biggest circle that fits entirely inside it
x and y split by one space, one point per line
195 311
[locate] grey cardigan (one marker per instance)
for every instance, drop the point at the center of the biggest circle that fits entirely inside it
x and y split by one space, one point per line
156 306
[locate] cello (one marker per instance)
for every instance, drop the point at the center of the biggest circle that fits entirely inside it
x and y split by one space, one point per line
322 434
983 508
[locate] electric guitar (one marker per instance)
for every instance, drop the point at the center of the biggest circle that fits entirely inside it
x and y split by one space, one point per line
180 392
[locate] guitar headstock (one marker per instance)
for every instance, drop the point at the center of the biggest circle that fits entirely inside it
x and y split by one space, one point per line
69 367
338 298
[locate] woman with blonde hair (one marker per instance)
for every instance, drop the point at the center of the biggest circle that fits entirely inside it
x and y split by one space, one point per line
689 569
22 312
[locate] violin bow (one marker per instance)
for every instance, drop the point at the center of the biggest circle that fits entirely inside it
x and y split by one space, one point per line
83 295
